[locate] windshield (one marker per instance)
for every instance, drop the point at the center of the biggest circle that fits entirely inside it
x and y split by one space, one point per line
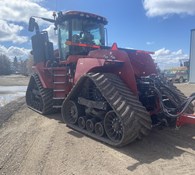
88 32
63 37
80 31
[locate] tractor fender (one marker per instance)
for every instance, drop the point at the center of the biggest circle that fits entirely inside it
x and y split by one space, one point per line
44 74
86 65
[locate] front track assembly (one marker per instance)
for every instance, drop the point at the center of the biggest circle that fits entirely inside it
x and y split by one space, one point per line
111 114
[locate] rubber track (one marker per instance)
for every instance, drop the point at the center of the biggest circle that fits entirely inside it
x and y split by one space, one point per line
135 119
46 95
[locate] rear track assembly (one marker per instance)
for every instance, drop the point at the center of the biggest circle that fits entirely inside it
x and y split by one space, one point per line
124 120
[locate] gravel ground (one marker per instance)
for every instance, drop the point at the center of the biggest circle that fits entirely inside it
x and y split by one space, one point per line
34 144
14 80
186 88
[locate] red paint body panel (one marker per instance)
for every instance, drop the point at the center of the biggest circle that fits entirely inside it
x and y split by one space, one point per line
185 119
84 65
142 63
127 64
125 71
45 75
72 59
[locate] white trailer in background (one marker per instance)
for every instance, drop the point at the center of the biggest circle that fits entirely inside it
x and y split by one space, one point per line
192 57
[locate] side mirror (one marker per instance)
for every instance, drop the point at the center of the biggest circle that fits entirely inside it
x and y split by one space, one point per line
31 25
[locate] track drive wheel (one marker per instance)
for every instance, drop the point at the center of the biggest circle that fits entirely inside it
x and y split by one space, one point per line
113 126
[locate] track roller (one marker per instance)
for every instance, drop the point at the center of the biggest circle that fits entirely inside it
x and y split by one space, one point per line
82 122
99 129
90 125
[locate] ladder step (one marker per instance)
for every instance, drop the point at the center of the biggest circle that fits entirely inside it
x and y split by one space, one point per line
58 98
58 90
57 106
59 75
59 82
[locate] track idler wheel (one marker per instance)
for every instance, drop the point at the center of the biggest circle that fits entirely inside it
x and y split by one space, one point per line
113 126
71 112
90 125
82 122
99 129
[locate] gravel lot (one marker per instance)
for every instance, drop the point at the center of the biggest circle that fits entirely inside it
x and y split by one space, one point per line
34 144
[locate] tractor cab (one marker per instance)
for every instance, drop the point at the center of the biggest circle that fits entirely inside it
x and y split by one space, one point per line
79 33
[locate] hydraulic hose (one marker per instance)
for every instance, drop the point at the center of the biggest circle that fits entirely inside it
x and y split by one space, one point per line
183 106
187 103
157 84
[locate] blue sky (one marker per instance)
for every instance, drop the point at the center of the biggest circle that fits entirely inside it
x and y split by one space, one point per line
162 26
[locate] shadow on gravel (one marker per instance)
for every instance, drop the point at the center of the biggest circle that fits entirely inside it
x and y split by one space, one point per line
57 116
75 134
161 144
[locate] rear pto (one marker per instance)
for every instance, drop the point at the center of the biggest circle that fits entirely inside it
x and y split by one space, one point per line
111 94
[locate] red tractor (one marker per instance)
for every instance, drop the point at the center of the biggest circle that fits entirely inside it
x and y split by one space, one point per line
111 94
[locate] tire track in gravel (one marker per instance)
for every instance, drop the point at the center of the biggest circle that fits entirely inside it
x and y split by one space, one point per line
21 136
11 152
34 162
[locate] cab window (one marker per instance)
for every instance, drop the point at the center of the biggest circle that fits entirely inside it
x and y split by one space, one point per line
63 37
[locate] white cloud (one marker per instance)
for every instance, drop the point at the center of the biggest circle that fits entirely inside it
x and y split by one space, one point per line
11 52
150 42
52 35
10 32
167 59
167 7
36 1
16 12
21 10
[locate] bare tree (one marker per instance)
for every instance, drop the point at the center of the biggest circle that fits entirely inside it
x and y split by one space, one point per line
5 65
29 64
15 64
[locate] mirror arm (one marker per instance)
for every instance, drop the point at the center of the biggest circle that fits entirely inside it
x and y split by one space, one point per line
37 28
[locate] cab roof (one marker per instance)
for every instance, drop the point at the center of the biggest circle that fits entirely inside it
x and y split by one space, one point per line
79 14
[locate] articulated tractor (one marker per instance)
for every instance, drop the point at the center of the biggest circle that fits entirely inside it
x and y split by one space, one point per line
114 95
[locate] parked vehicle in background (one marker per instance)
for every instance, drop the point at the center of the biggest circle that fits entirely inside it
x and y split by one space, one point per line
178 74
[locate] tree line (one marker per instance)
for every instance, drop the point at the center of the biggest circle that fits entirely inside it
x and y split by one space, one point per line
7 67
